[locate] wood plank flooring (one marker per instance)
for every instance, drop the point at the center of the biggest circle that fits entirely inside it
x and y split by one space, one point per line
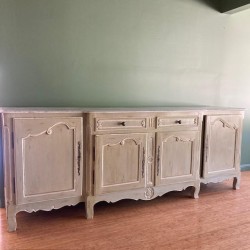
219 219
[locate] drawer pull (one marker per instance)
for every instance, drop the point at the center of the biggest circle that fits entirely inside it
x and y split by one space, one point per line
158 160
178 121
122 124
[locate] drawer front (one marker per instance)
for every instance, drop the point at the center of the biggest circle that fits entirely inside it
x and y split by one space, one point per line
120 124
191 121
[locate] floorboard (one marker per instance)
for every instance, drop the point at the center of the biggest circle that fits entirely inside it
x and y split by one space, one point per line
219 219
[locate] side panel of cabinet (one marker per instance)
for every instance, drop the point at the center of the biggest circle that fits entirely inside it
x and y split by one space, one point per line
48 162
1 169
222 144
177 157
120 162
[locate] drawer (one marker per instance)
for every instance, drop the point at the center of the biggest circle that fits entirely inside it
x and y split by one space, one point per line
120 123
190 121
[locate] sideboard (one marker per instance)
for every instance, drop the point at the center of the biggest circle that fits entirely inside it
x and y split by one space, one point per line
54 157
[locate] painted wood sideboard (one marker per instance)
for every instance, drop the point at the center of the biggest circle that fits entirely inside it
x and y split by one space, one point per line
54 157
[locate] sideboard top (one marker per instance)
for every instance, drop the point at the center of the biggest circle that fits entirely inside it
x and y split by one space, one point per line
116 109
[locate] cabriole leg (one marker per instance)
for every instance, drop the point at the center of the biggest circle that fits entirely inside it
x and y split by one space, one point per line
196 190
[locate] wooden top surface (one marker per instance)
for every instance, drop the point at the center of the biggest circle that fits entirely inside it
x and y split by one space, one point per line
115 109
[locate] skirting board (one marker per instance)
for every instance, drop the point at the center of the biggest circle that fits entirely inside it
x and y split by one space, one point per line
2 205
245 167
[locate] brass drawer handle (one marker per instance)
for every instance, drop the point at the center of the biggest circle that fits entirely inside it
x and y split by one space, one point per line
178 121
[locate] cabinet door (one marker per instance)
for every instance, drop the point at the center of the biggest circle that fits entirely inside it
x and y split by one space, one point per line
120 162
177 157
48 160
222 144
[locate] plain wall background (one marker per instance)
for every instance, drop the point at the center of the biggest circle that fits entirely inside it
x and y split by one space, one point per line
124 53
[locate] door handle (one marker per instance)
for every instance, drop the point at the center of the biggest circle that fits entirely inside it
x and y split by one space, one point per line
158 160
79 158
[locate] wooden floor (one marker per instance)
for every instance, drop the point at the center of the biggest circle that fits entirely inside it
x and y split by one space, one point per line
219 219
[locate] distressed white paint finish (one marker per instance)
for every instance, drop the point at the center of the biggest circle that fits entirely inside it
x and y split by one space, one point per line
46 158
120 162
174 146
43 162
59 157
222 146
177 157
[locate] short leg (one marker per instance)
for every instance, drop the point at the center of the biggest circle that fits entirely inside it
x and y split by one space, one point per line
236 183
196 190
11 218
89 207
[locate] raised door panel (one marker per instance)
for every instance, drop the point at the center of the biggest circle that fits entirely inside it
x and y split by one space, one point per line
47 158
120 162
177 157
222 144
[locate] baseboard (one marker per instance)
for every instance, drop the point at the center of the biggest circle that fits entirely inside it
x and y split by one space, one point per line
245 167
2 205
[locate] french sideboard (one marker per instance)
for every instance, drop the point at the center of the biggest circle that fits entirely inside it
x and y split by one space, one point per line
54 157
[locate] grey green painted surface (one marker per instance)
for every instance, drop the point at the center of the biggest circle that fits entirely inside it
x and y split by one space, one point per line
245 167
124 53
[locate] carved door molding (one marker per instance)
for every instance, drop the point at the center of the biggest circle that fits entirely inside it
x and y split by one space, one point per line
177 157
120 162
48 158
222 144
